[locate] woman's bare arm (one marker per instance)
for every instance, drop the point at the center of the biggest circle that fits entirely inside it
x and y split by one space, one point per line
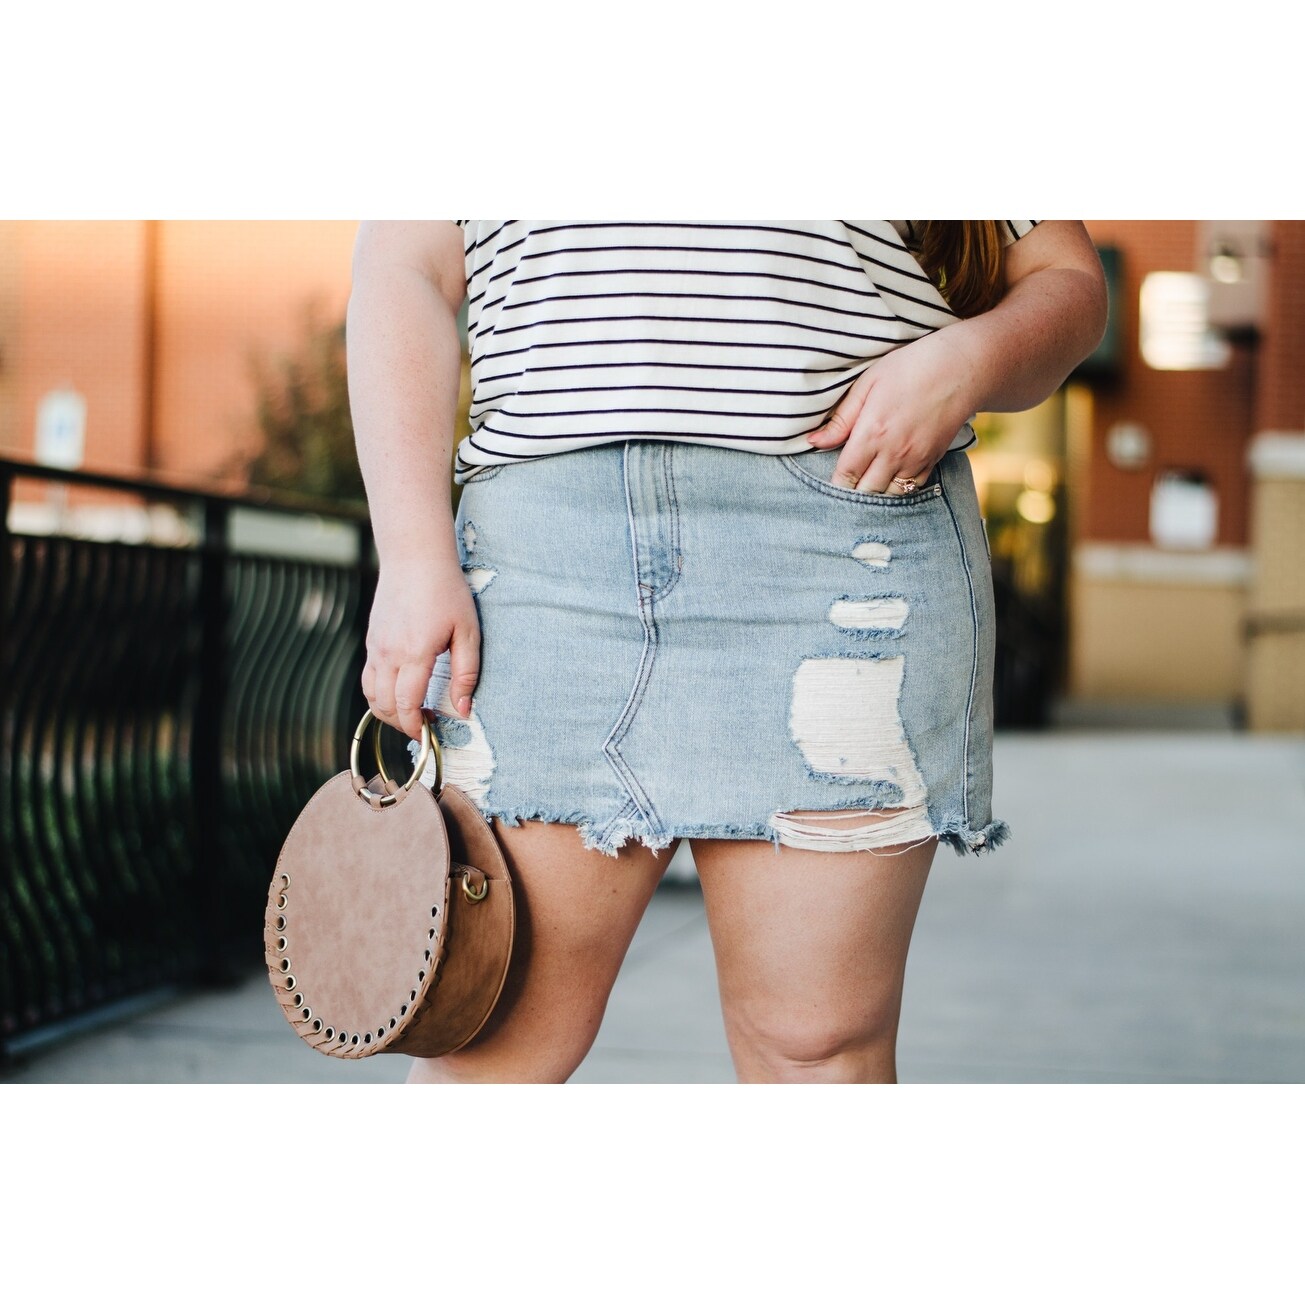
901 414
404 361
1051 317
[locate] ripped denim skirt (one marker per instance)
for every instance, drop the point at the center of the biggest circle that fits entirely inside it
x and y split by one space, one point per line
680 640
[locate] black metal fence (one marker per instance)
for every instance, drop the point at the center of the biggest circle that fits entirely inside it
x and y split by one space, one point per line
167 709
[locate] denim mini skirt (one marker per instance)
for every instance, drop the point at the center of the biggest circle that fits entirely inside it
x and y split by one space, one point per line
680 640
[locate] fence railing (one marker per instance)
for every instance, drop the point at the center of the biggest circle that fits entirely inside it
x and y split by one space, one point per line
166 710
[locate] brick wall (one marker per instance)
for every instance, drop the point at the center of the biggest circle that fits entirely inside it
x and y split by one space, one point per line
1280 403
78 306
78 319
1199 420
226 290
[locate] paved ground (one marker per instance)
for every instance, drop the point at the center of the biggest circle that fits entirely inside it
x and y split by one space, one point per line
1144 924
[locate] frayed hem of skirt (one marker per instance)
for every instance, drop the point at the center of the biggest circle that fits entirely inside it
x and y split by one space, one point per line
962 839
608 838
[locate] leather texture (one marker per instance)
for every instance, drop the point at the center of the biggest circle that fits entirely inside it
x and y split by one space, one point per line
371 940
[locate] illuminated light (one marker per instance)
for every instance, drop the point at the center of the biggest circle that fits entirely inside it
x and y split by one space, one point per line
1040 475
1175 324
1226 268
1036 505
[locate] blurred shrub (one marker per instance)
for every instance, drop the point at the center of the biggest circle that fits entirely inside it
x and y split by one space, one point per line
304 429
302 414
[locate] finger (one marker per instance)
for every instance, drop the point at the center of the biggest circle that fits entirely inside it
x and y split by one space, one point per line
464 666
878 476
381 698
828 436
849 468
921 478
902 482
838 425
410 685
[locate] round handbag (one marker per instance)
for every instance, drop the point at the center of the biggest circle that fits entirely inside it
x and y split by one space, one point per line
390 916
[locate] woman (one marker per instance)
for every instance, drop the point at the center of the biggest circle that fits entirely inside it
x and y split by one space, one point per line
717 573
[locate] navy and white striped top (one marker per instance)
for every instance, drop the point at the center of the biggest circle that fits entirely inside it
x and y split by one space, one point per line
740 334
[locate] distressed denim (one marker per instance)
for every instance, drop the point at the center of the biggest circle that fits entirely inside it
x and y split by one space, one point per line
684 640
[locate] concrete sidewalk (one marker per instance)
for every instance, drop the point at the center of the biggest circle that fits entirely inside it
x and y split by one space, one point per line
1143 924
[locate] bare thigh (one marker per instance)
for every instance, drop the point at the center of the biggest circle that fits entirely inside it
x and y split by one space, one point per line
577 911
811 953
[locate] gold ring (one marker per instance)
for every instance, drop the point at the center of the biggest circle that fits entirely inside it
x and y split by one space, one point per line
906 482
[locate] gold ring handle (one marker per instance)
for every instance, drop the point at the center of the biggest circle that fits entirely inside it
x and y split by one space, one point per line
429 744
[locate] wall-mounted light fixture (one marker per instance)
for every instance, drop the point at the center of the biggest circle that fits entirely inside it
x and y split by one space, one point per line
1174 324
1233 258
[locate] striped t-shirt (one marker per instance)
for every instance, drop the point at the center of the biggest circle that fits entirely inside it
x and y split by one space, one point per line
740 334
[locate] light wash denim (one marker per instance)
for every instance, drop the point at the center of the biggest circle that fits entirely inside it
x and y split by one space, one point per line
682 640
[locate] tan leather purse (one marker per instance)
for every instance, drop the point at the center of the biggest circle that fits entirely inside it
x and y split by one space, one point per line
390 917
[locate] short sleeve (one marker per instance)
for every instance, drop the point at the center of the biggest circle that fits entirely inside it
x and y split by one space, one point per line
1013 231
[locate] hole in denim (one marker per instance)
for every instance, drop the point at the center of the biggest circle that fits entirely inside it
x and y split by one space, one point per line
845 720
853 829
873 553
869 613
468 760
478 577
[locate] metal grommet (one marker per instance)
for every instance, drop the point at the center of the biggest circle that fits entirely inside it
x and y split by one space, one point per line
299 999
282 943
380 1033
354 1040
280 922
285 964
330 1034
431 934
403 1010
412 996
317 1026
367 1039
421 976
393 1022
282 902
428 955
305 1015
342 1036
289 982
285 880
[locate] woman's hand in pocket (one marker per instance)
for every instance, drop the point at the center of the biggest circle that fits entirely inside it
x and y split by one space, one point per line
420 610
900 415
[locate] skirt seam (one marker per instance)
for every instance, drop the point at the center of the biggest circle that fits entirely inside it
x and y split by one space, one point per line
974 659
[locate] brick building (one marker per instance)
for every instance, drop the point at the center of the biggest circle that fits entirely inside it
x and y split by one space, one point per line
1156 508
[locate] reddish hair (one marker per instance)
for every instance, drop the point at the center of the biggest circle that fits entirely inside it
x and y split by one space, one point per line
965 261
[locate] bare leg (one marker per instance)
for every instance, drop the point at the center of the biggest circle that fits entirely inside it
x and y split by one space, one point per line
577 911
811 955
